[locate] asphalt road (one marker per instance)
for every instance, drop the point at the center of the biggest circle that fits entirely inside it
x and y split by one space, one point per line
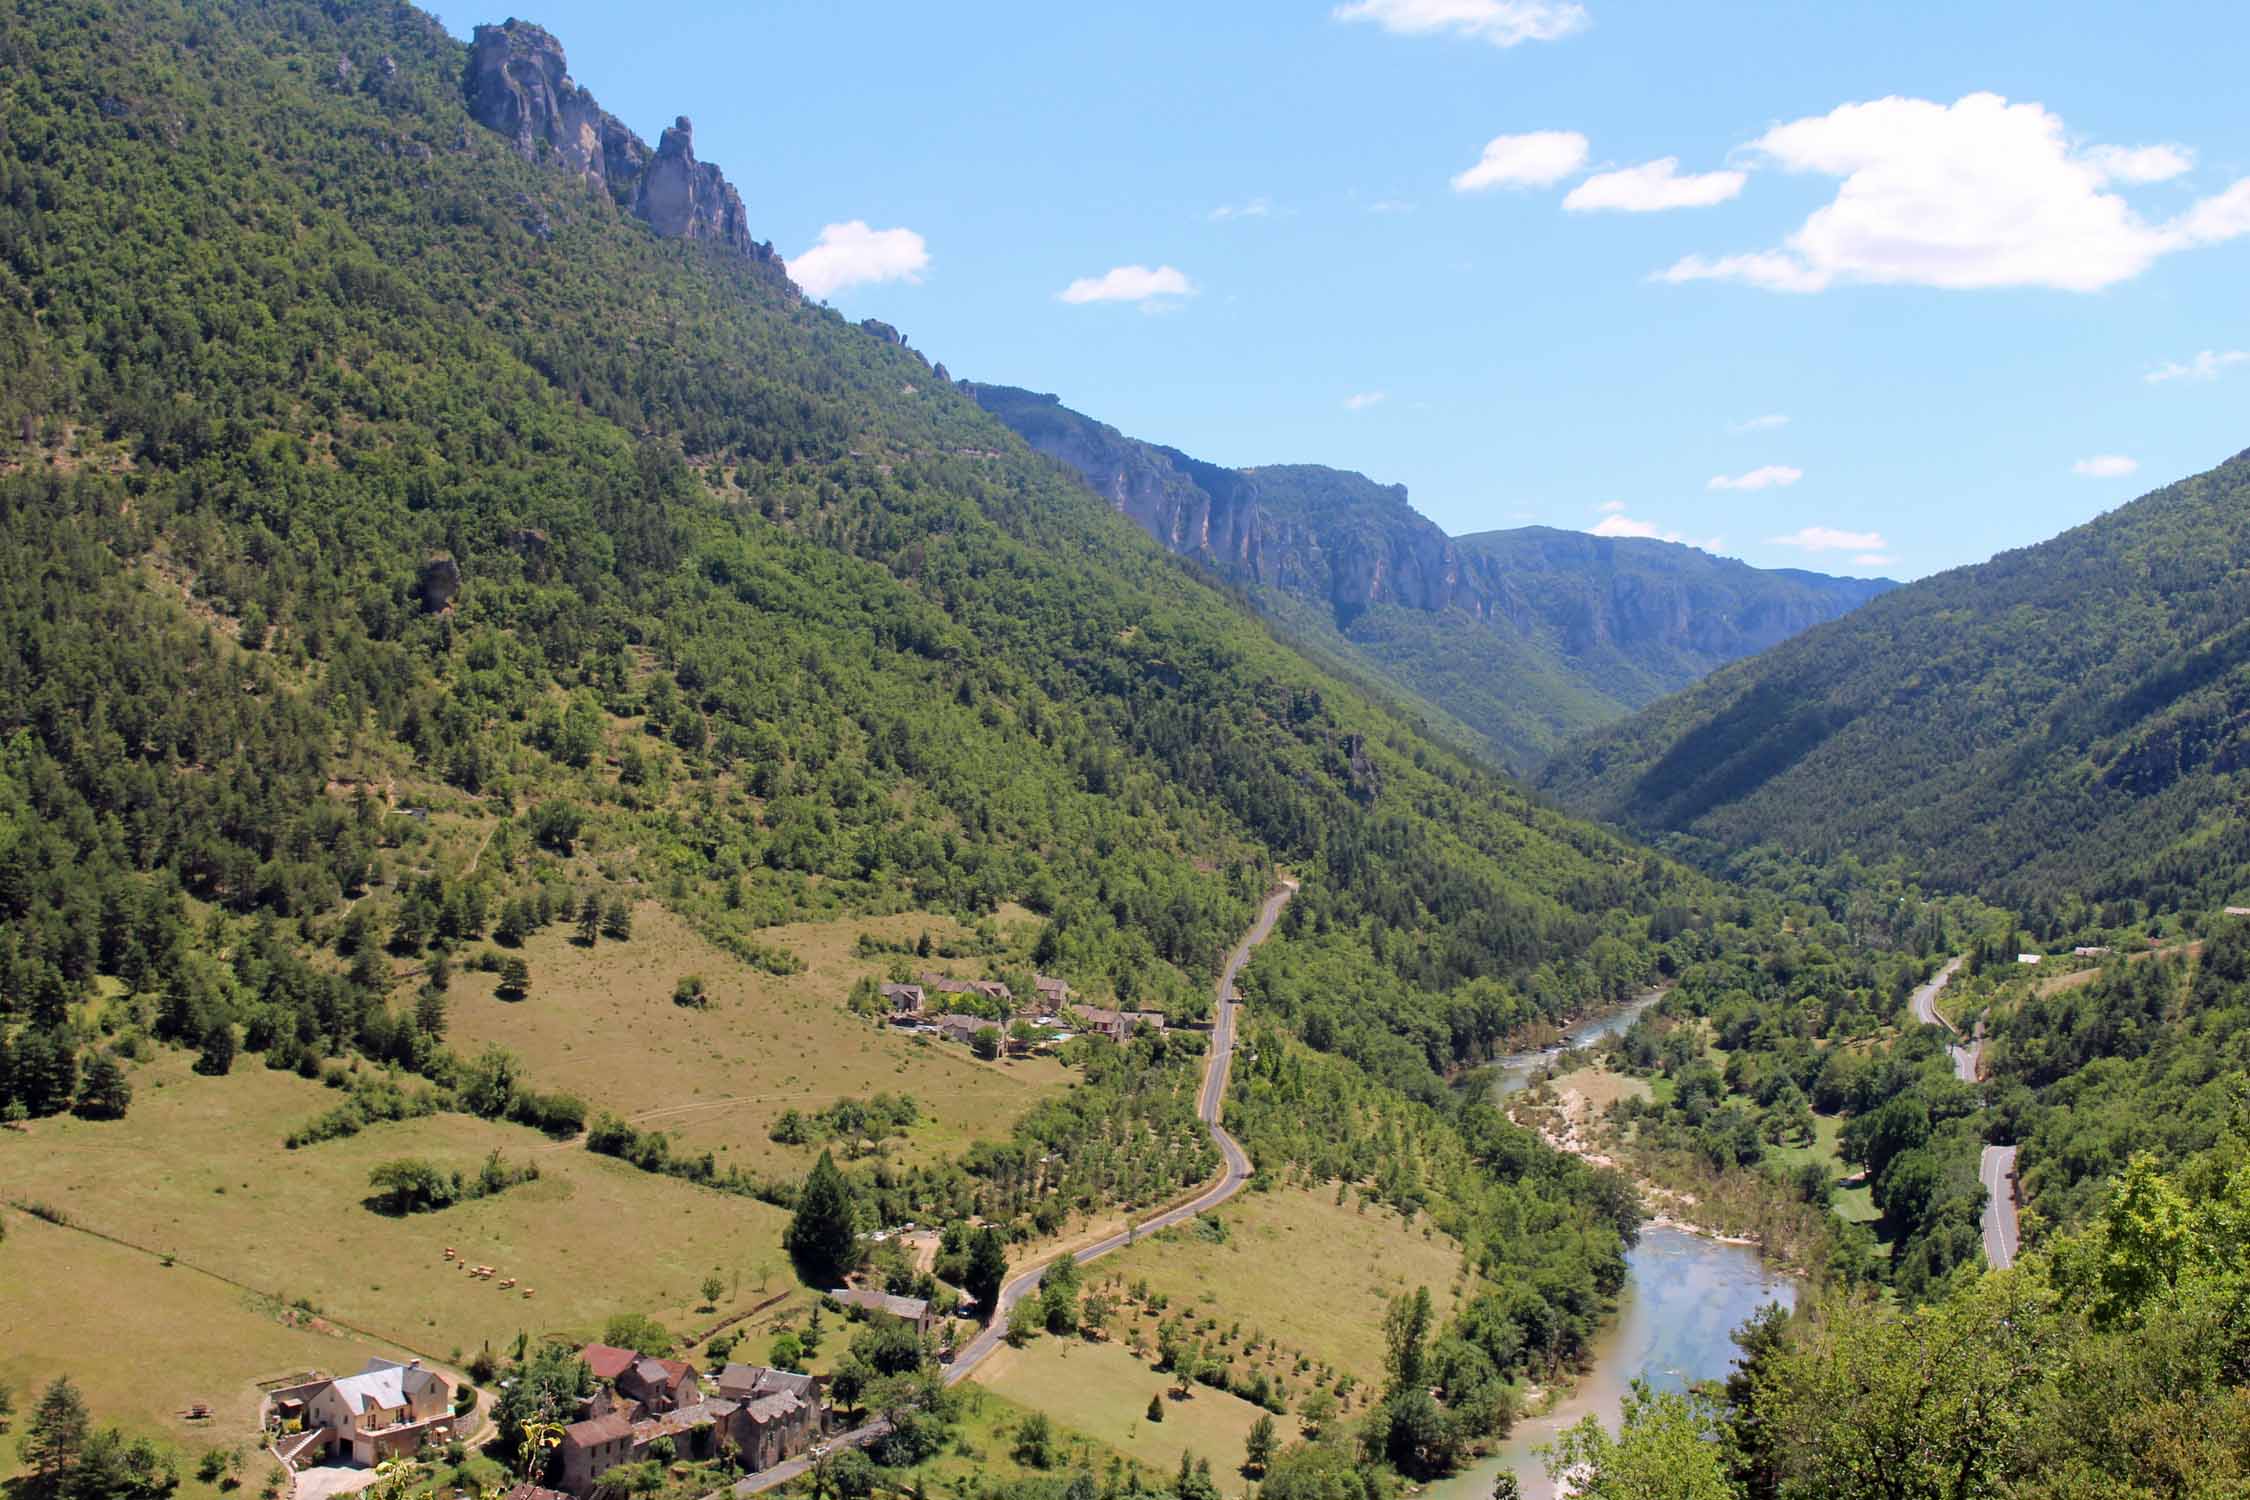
1924 999
1998 1169
1998 1166
1966 1060
1226 1001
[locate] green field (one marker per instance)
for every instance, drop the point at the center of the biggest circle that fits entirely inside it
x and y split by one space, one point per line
171 1338
600 1023
198 1170
1103 1391
1345 1264
1854 1204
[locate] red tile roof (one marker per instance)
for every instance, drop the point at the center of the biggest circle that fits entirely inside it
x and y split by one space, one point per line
606 1361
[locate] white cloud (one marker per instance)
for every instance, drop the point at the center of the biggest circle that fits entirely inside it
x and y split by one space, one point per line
1255 208
1767 423
2140 163
2105 466
2221 217
1978 193
851 254
1872 560
1129 284
1540 158
1651 187
1619 525
1361 400
1503 23
1766 477
1829 539
1612 507
2206 365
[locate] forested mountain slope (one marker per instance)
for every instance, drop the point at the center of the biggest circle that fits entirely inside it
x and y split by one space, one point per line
1523 636
2066 717
374 478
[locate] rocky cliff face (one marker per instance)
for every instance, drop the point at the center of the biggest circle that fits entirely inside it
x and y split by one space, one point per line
1332 535
1579 628
519 84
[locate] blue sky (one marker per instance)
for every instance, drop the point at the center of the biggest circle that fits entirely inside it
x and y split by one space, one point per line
1914 325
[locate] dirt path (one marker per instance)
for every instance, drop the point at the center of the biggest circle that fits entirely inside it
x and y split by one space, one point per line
1230 1182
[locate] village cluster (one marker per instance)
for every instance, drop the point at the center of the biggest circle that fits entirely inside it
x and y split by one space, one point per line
641 1407
1052 1015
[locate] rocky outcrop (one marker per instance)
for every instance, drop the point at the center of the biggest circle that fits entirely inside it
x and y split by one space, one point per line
518 84
685 199
440 581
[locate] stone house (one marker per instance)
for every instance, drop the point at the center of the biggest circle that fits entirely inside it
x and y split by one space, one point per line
592 1448
761 1432
1117 1025
748 1382
646 1386
770 1428
388 1410
912 1311
904 999
959 1028
989 989
1053 993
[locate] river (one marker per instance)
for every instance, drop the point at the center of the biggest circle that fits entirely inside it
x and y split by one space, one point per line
1684 1297
1511 1074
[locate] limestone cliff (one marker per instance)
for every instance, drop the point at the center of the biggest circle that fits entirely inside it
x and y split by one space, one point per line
518 84
1523 636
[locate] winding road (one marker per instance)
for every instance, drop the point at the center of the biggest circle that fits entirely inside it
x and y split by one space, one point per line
1208 1101
1997 1169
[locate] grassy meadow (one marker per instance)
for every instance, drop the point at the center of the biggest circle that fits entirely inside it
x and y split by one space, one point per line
1102 1391
1345 1264
172 1338
197 1170
600 1023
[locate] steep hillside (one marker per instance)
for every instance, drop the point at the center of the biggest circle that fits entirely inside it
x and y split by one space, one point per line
1525 637
414 540
2070 717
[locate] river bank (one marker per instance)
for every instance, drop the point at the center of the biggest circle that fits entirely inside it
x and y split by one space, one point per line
1512 1072
1684 1297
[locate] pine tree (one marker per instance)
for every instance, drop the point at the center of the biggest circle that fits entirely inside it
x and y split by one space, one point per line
429 1010
104 1094
218 1050
617 920
56 1434
988 1269
515 977
46 1072
589 920
823 1236
1257 1454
